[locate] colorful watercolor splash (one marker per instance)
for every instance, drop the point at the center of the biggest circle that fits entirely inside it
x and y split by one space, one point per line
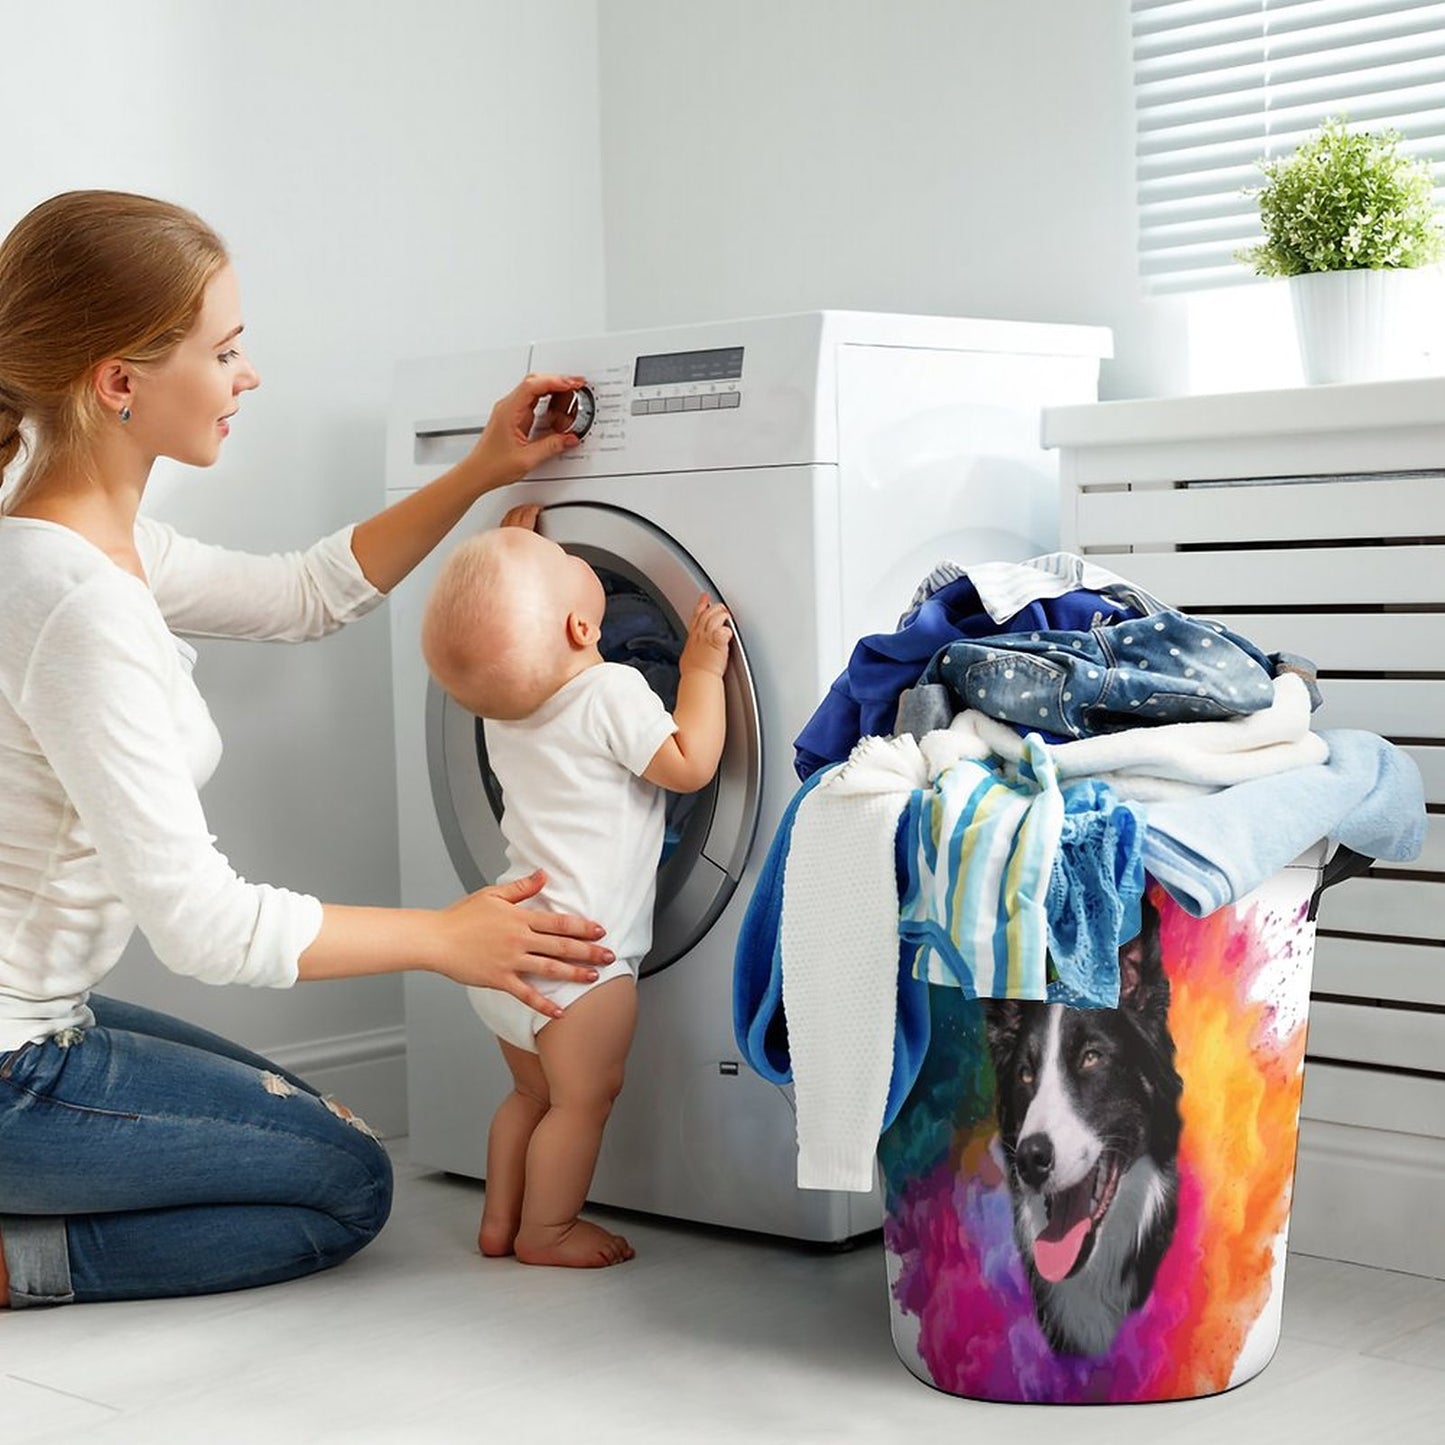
1238 981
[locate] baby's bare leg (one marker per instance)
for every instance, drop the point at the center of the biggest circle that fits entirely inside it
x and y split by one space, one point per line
511 1132
582 1055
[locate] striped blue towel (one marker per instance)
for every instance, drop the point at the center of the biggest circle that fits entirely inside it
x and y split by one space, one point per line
983 852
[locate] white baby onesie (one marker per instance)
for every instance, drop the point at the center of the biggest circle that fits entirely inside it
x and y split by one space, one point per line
574 803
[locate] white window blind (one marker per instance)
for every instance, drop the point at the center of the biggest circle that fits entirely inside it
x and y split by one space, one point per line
1218 84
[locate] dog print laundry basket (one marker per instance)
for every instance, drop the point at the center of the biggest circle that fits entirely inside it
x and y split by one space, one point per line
1091 1205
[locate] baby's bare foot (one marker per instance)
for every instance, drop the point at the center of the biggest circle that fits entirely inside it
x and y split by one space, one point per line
578 1245
496 1236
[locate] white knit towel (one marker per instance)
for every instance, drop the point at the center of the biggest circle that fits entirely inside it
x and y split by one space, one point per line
1212 754
839 940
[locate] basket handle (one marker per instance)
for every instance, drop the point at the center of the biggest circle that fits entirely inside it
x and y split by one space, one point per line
1344 863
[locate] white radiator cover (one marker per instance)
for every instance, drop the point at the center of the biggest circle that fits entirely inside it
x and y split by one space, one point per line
1313 521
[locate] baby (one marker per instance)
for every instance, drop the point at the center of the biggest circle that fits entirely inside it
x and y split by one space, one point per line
583 749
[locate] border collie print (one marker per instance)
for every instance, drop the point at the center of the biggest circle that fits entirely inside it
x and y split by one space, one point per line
1088 1113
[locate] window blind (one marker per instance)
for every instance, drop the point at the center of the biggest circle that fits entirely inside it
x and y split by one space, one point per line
1220 84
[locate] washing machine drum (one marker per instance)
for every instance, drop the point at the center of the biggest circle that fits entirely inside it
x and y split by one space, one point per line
651 585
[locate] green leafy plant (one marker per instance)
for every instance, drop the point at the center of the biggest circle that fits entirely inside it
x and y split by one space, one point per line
1345 202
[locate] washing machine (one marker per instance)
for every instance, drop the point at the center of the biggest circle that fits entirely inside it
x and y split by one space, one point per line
808 471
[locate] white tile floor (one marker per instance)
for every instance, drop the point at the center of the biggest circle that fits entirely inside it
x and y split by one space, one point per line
704 1338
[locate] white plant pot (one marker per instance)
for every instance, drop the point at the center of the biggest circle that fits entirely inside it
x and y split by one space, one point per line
1352 325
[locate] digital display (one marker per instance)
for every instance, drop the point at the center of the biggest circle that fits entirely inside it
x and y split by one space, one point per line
677 368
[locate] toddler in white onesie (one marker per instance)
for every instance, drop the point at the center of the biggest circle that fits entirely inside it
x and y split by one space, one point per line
583 750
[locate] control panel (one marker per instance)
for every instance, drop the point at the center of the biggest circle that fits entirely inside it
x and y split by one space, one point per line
665 383
671 400
654 384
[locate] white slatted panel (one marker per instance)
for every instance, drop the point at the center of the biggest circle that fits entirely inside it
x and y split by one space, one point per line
1364 1099
1401 907
1397 1038
1372 968
1350 572
1283 577
1280 511
1324 535
1220 83
1350 641
1405 707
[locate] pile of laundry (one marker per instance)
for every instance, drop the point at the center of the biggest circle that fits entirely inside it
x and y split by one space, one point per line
985 790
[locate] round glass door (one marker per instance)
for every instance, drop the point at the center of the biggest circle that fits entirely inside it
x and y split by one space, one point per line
651 586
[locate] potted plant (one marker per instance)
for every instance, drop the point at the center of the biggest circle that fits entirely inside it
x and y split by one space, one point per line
1345 217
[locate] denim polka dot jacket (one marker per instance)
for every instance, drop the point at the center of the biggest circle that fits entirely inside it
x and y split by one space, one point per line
1163 668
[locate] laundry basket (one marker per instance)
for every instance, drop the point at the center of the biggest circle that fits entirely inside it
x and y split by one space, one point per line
1157 1274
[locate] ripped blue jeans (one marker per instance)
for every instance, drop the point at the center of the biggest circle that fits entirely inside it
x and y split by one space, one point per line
145 1157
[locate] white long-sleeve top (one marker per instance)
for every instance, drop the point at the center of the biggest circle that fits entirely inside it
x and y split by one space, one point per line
104 745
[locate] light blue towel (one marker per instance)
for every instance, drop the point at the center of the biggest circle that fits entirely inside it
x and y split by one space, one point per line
1212 850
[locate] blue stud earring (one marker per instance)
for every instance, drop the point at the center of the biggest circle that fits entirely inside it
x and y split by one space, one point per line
125 414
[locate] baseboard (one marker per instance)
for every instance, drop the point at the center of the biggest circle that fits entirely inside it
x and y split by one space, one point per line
1370 1197
365 1071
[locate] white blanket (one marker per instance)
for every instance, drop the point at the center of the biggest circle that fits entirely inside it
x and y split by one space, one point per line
1207 755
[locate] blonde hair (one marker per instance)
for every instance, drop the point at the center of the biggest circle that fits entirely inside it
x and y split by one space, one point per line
490 633
84 276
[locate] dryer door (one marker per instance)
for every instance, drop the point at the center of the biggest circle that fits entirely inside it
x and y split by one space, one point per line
651 586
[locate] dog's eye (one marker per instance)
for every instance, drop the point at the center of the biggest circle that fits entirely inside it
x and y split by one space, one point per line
1089 1058
1026 1074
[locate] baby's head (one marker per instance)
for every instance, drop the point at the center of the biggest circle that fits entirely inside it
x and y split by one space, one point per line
510 618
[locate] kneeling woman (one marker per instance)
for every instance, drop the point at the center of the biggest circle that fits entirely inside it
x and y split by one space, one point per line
139 1156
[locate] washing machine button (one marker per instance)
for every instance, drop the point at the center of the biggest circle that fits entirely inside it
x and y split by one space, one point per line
572 411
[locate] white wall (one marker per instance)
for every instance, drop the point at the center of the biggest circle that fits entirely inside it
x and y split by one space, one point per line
386 179
970 157
450 174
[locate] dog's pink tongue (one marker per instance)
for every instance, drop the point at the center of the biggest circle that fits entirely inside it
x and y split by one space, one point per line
1056 1250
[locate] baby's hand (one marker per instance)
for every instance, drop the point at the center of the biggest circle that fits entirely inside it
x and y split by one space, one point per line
708 635
524 514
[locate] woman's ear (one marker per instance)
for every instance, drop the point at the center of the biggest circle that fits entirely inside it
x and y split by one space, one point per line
581 631
112 382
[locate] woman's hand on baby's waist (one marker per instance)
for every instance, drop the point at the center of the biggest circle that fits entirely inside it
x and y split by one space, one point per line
485 940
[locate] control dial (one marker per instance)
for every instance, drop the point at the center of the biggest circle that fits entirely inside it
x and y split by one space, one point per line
572 411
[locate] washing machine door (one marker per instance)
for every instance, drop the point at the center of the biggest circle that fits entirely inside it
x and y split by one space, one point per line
651 585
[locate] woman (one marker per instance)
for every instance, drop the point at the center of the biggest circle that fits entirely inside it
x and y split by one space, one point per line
140 1156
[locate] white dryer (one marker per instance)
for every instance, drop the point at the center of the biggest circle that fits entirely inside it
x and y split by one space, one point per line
808 471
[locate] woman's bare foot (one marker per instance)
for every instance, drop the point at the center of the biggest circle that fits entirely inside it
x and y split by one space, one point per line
578 1245
495 1236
